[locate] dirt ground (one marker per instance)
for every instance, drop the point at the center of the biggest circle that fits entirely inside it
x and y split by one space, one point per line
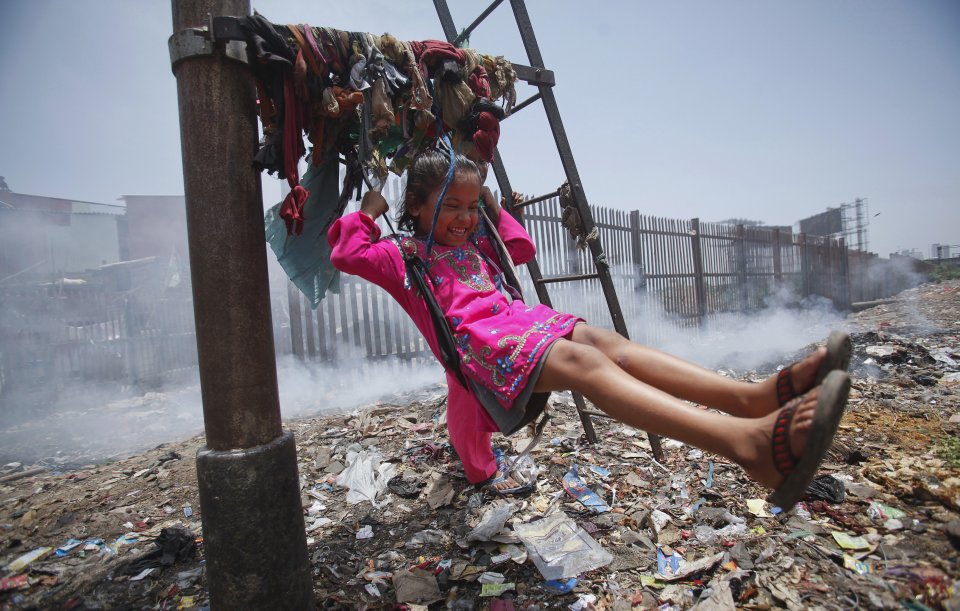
691 531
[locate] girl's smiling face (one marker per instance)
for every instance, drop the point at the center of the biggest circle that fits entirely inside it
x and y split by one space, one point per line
459 211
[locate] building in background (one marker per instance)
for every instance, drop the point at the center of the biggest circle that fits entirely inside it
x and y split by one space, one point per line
944 251
850 221
913 253
48 237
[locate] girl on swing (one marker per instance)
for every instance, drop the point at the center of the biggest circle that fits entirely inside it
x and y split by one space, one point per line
513 354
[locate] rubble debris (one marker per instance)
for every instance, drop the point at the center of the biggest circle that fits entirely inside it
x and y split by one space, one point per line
391 519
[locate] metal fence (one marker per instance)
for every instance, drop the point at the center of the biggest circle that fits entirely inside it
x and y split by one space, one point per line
677 272
54 334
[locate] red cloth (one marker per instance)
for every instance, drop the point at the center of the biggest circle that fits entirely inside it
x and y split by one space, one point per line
487 135
479 82
429 53
291 210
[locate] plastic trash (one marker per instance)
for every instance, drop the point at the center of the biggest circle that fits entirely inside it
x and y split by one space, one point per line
577 488
492 522
705 534
668 564
425 537
68 547
881 511
365 533
16 582
826 488
491 577
717 515
659 519
847 542
366 476
560 586
523 469
499 558
560 549
584 601
403 488
23 561
496 589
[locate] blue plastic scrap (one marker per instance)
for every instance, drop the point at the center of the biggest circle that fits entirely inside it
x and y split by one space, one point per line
668 565
577 488
560 586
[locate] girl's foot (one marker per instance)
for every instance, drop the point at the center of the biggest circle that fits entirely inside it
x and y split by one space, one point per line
796 379
502 483
800 377
789 444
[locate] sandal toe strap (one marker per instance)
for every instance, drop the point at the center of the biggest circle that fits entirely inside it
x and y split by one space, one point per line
785 390
783 458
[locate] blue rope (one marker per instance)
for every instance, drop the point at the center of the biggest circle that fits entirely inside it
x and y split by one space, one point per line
446 184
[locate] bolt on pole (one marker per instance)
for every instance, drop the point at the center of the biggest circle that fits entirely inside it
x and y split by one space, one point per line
254 536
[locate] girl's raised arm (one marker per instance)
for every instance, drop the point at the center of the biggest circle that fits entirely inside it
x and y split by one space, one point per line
358 249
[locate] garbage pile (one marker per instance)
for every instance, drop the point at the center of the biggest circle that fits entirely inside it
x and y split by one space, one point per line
393 524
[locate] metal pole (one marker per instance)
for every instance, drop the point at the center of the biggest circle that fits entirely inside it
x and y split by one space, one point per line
254 536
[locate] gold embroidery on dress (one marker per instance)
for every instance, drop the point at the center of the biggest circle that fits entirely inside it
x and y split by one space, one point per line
468 266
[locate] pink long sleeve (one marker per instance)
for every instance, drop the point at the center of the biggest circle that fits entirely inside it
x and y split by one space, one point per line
515 238
358 250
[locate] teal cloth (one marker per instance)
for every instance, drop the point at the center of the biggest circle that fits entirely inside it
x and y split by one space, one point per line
306 257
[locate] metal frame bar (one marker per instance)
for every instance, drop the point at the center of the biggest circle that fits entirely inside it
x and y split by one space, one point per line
470 28
537 200
544 80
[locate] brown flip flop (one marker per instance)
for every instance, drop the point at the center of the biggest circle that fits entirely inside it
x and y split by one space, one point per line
839 350
798 473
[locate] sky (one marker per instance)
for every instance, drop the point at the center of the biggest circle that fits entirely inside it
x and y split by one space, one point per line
769 111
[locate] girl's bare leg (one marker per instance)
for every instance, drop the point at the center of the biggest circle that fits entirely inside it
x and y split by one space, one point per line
747 441
688 381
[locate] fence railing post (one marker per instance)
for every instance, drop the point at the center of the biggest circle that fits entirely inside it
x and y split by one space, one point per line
699 287
777 254
804 265
741 249
844 274
636 251
296 325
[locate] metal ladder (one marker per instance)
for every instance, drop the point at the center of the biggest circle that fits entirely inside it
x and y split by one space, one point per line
538 76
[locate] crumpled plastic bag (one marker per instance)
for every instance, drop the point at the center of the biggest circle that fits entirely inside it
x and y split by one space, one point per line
523 469
366 476
492 522
826 488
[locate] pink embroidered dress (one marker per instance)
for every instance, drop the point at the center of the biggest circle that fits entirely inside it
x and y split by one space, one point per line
500 341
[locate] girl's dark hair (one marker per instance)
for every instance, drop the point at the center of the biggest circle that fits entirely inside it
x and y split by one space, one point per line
426 173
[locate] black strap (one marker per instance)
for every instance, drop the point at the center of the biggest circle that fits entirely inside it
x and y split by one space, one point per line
506 268
417 271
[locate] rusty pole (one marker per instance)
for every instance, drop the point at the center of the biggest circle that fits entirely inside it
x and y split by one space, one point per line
254 536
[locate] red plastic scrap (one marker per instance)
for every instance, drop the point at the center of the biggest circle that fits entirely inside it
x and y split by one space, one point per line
17 582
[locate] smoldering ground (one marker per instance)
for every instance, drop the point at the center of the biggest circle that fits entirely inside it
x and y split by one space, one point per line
83 423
